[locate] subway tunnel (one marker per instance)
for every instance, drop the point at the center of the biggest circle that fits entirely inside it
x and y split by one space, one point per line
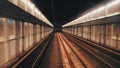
59 33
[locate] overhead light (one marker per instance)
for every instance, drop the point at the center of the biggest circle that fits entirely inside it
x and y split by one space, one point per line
113 2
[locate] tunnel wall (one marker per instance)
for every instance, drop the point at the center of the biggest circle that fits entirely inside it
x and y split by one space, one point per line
18 37
99 24
104 34
22 27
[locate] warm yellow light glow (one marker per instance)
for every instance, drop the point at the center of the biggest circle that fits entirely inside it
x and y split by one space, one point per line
113 14
101 8
38 14
111 5
101 12
96 13
87 17
30 4
113 2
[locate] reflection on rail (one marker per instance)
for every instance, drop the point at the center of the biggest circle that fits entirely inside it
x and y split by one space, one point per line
62 50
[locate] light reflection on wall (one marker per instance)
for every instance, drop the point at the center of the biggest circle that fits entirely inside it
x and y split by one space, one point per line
28 6
98 12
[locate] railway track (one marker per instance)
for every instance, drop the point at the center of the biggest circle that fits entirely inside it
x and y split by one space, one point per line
61 54
52 57
104 56
31 59
69 56
67 48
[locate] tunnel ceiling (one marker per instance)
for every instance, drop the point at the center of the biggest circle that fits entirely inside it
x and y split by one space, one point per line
60 12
